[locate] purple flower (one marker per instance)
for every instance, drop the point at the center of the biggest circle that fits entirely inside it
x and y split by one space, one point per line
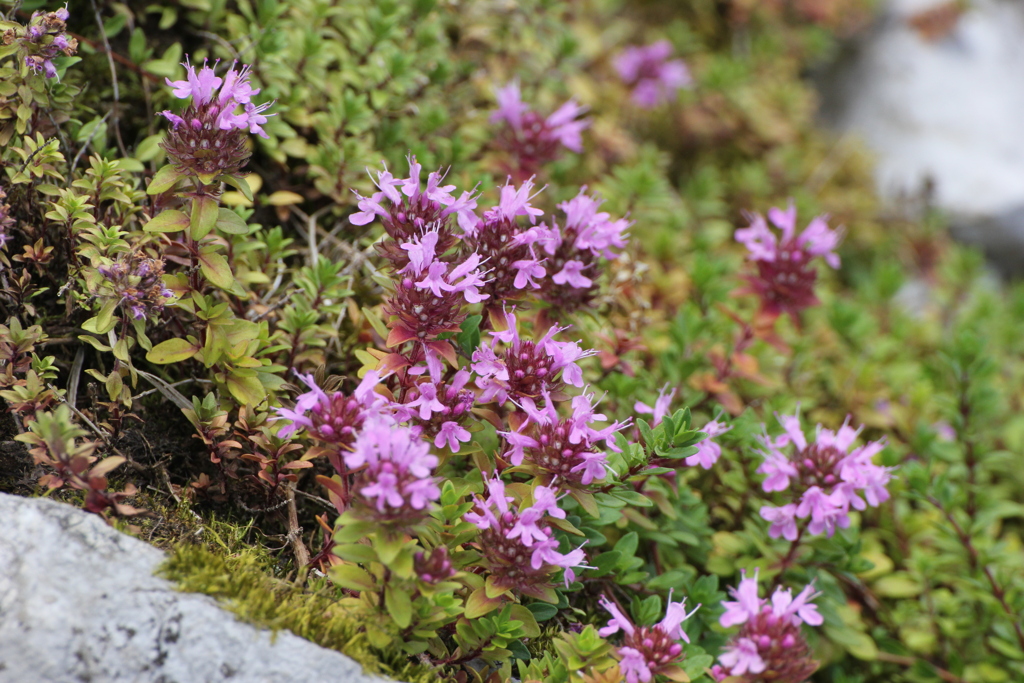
783 521
208 136
771 636
742 657
708 452
509 535
661 406
531 139
653 76
746 606
647 650
825 478
396 485
785 277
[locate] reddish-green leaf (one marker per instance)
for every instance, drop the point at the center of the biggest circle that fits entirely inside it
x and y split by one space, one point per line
167 221
216 269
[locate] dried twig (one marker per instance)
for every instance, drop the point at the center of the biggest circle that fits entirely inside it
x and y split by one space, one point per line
295 531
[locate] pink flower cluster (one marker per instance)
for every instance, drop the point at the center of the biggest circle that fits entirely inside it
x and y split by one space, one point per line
648 650
825 478
441 408
771 638
395 484
572 249
562 448
518 545
407 206
653 76
532 139
219 98
517 368
46 39
785 278
334 418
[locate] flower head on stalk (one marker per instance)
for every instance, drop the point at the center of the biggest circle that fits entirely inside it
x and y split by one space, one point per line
44 39
573 249
508 247
209 136
136 281
441 409
518 544
522 368
770 638
409 209
566 449
395 485
653 76
534 140
335 418
648 650
785 276
431 294
825 477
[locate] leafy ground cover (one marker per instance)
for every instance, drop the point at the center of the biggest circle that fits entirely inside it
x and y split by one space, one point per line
532 341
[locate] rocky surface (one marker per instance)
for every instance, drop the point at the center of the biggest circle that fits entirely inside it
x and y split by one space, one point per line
939 102
79 602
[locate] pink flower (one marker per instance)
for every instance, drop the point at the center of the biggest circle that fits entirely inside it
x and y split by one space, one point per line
531 138
396 484
770 637
785 276
528 269
800 609
453 433
653 76
746 606
661 406
572 274
742 658
708 452
647 650
783 521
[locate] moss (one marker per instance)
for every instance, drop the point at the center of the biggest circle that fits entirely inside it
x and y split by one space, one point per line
241 583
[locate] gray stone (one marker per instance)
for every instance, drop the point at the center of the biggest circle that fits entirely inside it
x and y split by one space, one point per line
943 112
79 602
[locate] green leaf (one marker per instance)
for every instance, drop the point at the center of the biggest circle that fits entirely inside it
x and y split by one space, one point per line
530 627
165 179
898 585
104 321
240 184
173 351
479 604
542 611
231 223
352 577
469 336
399 606
248 391
204 216
167 221
215 268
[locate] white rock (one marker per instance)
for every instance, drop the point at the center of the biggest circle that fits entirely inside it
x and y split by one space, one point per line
948 111
79 602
